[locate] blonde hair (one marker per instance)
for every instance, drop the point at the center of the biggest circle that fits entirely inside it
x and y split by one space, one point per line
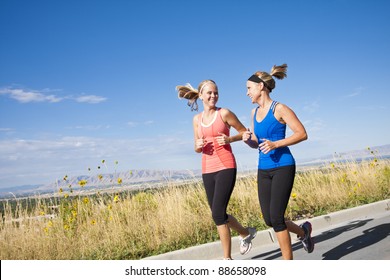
279 72
191 94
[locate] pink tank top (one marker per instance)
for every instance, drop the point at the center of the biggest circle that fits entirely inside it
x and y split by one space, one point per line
214 156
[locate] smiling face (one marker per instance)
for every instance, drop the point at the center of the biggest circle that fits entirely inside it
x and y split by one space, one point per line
209 95
253 91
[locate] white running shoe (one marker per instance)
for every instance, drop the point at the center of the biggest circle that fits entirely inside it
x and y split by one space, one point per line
246 242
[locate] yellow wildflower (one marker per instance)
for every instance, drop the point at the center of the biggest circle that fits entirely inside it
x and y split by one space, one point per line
86 200
293 195
61 190
116 198
119 181
82 183
100 176
93 222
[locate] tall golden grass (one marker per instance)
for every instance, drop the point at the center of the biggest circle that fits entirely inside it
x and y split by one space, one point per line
133 225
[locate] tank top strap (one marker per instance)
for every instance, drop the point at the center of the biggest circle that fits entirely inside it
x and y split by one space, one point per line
273 105
255 114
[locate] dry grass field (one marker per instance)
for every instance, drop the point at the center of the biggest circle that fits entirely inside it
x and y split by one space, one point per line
133 225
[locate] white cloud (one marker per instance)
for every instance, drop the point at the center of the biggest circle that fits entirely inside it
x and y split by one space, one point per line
314 125
135 124
27 96
132 124
356 92
371 108
311 107
89 127
93 99
43 161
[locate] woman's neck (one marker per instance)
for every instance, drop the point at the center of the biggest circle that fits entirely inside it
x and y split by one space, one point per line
264 101
207 111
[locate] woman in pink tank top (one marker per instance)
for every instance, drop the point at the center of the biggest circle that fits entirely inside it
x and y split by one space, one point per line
212 138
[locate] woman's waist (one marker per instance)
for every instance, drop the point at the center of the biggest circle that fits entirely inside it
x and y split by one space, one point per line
216 163
278 154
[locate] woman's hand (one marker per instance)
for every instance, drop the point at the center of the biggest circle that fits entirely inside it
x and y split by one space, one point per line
266 146
247 135
222 139
200 143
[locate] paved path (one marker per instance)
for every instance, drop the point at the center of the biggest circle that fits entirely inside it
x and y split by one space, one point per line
360 233
364 238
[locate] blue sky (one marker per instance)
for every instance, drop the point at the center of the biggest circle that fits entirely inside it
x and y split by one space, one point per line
82 81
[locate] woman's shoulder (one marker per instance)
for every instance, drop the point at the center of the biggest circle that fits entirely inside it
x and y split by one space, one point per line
225 111
281 107
253 111
196 117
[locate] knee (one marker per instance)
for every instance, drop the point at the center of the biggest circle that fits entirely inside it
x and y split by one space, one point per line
267 221
278 224
219 218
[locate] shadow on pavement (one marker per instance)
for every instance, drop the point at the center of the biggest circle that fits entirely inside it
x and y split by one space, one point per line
369 237
274 254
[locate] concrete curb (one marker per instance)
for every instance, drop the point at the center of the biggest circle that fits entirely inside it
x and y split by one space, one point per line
212 250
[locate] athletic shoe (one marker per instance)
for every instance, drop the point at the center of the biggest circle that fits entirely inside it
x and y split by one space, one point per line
307 241
246 242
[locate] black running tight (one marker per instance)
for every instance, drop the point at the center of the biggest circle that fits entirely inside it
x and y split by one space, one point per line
219 187
274 190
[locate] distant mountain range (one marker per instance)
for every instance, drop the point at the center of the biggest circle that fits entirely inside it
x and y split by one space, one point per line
128 180
369 152
154 178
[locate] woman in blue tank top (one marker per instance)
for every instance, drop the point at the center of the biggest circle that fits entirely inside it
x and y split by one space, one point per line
276 166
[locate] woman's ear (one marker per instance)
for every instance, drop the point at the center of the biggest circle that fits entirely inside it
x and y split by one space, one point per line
261 85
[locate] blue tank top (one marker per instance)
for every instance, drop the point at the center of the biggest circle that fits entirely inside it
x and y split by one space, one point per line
271 129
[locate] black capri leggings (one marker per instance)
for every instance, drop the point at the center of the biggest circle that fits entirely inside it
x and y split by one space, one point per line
274 189
219 187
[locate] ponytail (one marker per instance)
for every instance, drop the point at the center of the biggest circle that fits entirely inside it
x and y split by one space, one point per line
279 72
191 94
